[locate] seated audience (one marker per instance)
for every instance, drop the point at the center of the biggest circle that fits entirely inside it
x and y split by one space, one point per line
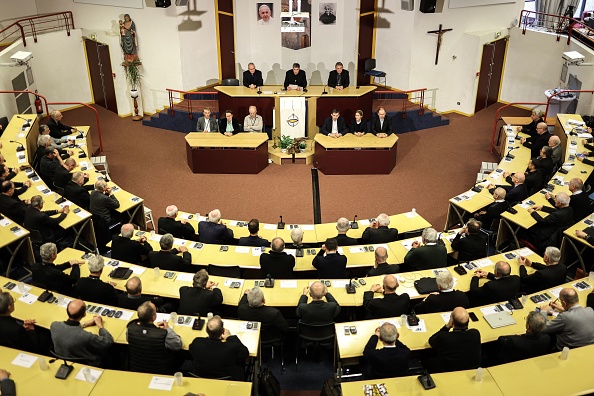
530 129
297 238
342 226
579 201
49 227
14 333
494 210
58 143
20 188
317 311
229 125
533 343
254 239
167 258
10 205
51 277
381 267
547 275
358 126
103 203
432 254
541 139
57 129
214 230
389 361
214 358
555 145
178 228
515 193
252 307
62 174
202 297
534 178
390 305
93 289
277 263
329 263
50 162
559 218
379 232
253 122
133 298
501 286
469 242
446 299
76 191
544 162
334 126
124 248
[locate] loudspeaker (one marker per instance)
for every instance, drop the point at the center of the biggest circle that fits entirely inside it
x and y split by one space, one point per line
407 5
428 6
163 3
181 3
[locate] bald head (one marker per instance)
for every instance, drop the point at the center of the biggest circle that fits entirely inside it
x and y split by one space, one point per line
147 312
343 224
214 216
381 255
134 286
127 230
502 269
569 297
390 284
459 318
499 193
214 327
542 127
76 310
554 141
317 290
562 200
520 178
277 245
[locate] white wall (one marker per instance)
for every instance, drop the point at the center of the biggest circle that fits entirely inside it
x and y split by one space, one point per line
12 9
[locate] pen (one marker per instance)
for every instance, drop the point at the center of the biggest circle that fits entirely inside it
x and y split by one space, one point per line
551 304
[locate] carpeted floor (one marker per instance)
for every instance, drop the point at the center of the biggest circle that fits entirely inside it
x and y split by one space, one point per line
433 165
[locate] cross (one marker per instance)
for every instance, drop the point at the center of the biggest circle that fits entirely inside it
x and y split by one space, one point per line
440 34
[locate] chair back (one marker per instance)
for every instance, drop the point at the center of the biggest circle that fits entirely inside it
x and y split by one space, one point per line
59 190
230 82
369 64
271 335
66 358
36 237
232 271
315 332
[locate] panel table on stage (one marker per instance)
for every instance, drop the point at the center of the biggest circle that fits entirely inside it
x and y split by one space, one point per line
356 155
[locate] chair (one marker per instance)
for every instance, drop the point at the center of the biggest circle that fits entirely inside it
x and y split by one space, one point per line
148 216
232 271
370 70
230 82
66 358
58 189
37 158
271 337
491 234
318 334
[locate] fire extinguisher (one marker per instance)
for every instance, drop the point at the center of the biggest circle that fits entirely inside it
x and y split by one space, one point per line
38 106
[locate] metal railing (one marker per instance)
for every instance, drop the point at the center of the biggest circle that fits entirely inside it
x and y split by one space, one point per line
184 102
37 24
561 25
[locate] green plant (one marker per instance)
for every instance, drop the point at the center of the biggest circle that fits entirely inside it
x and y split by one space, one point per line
302 145
285 142
133 73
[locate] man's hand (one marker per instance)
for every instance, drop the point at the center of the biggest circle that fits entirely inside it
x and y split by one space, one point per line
182 249
376 288
246 291
537 207
359 134
524 261
581 159
226 334
210 284
29 324
55 152
324 247
69 141
163 325
506 174
450 324
27 183
482 212
113 284
252 86
548 195
305 290
65 209
108 190
374 224
415 244
519 129
142 239
76 262
480 273
490 186
4 374
377 331
530 210
522 140
382 135
70 152
556 305
463 230
581 234
228 133
184 221
98 320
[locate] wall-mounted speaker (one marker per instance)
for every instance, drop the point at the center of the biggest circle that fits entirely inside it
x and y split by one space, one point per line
407 5
428 6
163 3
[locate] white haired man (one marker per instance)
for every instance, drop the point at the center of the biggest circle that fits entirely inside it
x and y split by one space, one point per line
430 254
178 228
214 230
379 231
92 288
560 217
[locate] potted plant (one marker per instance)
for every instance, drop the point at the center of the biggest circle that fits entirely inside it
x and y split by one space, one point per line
285 142
131 69
302 146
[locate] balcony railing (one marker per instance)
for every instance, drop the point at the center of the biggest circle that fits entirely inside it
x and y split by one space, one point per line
558 24
34 25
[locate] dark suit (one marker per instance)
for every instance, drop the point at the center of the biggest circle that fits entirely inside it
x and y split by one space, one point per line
199 301
386 362
170 261
545 277
278 265
545 165
77 194
530 129
318 311
14 335
291 79
49 276
534 181
13 208
494 211
514 193
267 316
543 230
132 303
61 177
518 347
330 266
382 234
176 228
360 127
93 289
341 127
536 143
454 350
425 257
390 305
209 232
57 129
255 79
128 250
493 291
213 124
253 241
223 125
471 247
48 227
344 240
377 127
443 302
384 269
103 206
215 359
333 79
47 169
7 387
581 205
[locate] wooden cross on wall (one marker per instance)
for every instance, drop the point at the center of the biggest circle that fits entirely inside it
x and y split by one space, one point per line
440 34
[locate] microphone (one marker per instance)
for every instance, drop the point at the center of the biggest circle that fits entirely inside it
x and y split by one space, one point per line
27 122
325 93
22 148
350 288
509 155
459 269
478 188
259 91
281 224
354 225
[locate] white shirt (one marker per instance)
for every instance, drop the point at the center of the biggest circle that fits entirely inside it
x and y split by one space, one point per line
334 126
206 124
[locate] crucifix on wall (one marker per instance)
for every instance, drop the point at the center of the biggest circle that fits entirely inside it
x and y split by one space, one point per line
440 34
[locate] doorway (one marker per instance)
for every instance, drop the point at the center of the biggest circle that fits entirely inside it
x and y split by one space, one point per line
99 63
490 74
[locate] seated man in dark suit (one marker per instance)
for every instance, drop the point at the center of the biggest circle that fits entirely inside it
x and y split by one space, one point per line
295 79
93 289
5 174
334 126
379 232
297 238
229 125
49 227
13 333
329 263
167 258
390 305
252 77
7 386
252 307
10 205
547 275
49 164
133 298
317 311
560 217
178 228
501 285
202 297
254 239
544 162
579 200
278 264
381 126
76 191
214 230
381 266
459 349
51 277
535 143
534 343
432 254
103 203
515 193
57 129
494 210
339 77
530 129
213 358
62 174
469 242
534 177
446 299
392 359
343 225
126 249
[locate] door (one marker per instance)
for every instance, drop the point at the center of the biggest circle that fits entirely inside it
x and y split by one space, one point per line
226 30
366 39
490 74
99 63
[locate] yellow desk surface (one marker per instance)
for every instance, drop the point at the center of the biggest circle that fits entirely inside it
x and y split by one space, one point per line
564 119
33 381
136 384
6 236
549 375
570 232
25 136
452 384
312 91
525 120
240 140
350 141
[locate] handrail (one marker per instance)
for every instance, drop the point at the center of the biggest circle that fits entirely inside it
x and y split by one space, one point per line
189 107
30 25
560 21
421 100
562 92
64 103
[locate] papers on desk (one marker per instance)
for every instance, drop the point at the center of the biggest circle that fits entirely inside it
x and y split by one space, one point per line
21 135
256 251
364 222
28 298
95 374
445 316
584 135
5 222
437 271
25 289
270 226
18 231
340 250
21 160
83 214
161 383
527 204
243 327
127 315
65 302
162 317
410 215
229 281
307 227
44 190
288 284
242 249
412 292
186 216
341 283
185 277
476 264
24 360
358 249
464 197
179 242
421 328
555 292
85 164
66 203
449 237
155 237
582 285
494 309
292 252
524 252
137 270
135 199
408 243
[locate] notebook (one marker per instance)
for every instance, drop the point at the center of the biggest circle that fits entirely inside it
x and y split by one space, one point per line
499 319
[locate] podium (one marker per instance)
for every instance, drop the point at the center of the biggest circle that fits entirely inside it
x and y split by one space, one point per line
292 117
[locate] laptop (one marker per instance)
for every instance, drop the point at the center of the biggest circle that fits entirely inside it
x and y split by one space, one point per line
499 319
